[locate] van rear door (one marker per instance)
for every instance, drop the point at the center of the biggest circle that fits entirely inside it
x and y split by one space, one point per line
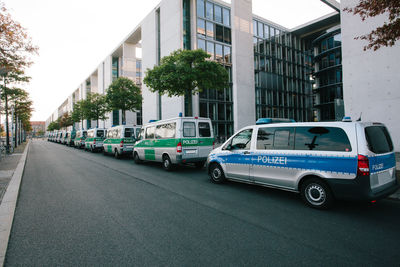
382 162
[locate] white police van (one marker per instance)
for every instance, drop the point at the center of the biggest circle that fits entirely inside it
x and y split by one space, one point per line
322 161
175 141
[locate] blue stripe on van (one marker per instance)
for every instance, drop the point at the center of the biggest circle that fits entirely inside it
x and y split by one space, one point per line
346 165
382 162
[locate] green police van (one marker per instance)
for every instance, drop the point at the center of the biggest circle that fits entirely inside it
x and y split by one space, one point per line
94 140
70 137
175 141
80 137
120 139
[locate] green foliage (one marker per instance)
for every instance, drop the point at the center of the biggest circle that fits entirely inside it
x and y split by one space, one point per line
123 95
54 125
95 107
77 114
186 71
389 32
65 120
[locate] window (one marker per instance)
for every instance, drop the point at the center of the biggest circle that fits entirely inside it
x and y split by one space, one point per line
204 129
240 141
219 33
283 138
201 44
218 13
210 49
84 134
378 139
150 132
129 132
201 27
227 54
227 35
100 133
200 8
165 131
209 11
218 52
210 29
265 138
322 139
189 129
226 17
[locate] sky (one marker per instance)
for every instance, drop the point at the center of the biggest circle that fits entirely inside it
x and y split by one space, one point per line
75 36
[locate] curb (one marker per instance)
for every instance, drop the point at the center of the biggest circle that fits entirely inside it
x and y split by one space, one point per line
8 205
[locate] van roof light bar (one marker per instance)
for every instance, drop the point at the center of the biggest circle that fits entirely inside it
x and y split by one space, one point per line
273 120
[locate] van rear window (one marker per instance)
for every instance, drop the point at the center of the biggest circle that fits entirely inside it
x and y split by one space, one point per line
129 132
378 139
204 129
100 133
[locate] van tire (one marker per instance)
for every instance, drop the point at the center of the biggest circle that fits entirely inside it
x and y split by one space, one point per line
166 163
136 158
316 193
116 154
216 173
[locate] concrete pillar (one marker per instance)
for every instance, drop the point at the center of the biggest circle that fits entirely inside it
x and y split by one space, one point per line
244 111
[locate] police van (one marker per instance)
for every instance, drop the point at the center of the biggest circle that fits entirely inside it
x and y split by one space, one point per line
60 136
175 141
94 139
322 161
79 141
69 141
120 139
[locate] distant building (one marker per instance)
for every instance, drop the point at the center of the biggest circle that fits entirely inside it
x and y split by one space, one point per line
38 128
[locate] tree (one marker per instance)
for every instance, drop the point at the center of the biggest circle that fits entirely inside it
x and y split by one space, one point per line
186 72
66 120
15 44
123 94
388 33
77 114
95 107
53 126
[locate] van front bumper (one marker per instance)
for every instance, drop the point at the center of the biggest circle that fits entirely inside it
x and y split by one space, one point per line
360 189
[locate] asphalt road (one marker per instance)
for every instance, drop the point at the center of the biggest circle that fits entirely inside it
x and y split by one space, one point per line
78 208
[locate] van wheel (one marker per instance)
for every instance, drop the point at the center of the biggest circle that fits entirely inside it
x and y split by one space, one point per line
316 194
136 158
216 174
116 154
104 152
91 149
199 165
166 164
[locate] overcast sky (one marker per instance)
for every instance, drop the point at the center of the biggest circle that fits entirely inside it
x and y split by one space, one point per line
74 36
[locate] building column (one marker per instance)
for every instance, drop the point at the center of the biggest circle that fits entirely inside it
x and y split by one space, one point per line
244 108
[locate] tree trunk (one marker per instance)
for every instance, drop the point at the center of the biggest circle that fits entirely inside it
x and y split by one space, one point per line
123 117
7 128
16 131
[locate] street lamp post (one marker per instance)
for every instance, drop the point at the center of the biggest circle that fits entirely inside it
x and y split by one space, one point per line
4 72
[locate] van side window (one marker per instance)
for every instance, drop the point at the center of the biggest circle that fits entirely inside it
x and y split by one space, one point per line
204 129
189 129
164 131
240 141
275 138
150 132
140 134
322 139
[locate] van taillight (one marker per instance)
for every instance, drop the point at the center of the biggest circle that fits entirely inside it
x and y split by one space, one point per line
213 144
94 141
363 166
179 148
121 144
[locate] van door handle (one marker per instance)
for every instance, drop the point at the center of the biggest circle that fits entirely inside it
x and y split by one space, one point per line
246 152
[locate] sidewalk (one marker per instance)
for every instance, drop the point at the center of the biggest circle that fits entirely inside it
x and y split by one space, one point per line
11 170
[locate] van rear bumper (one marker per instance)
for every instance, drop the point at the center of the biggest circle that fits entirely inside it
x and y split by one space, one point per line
183 160
360 189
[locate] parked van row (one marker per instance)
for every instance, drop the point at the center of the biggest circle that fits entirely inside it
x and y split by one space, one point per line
322 161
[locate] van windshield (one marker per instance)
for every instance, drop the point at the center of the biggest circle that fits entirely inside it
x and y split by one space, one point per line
378 139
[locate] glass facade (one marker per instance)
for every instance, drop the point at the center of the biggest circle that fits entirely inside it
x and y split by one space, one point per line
114 76
214 36
328 88
283 67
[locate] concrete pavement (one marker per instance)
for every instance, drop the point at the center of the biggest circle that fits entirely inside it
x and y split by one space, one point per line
11 170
